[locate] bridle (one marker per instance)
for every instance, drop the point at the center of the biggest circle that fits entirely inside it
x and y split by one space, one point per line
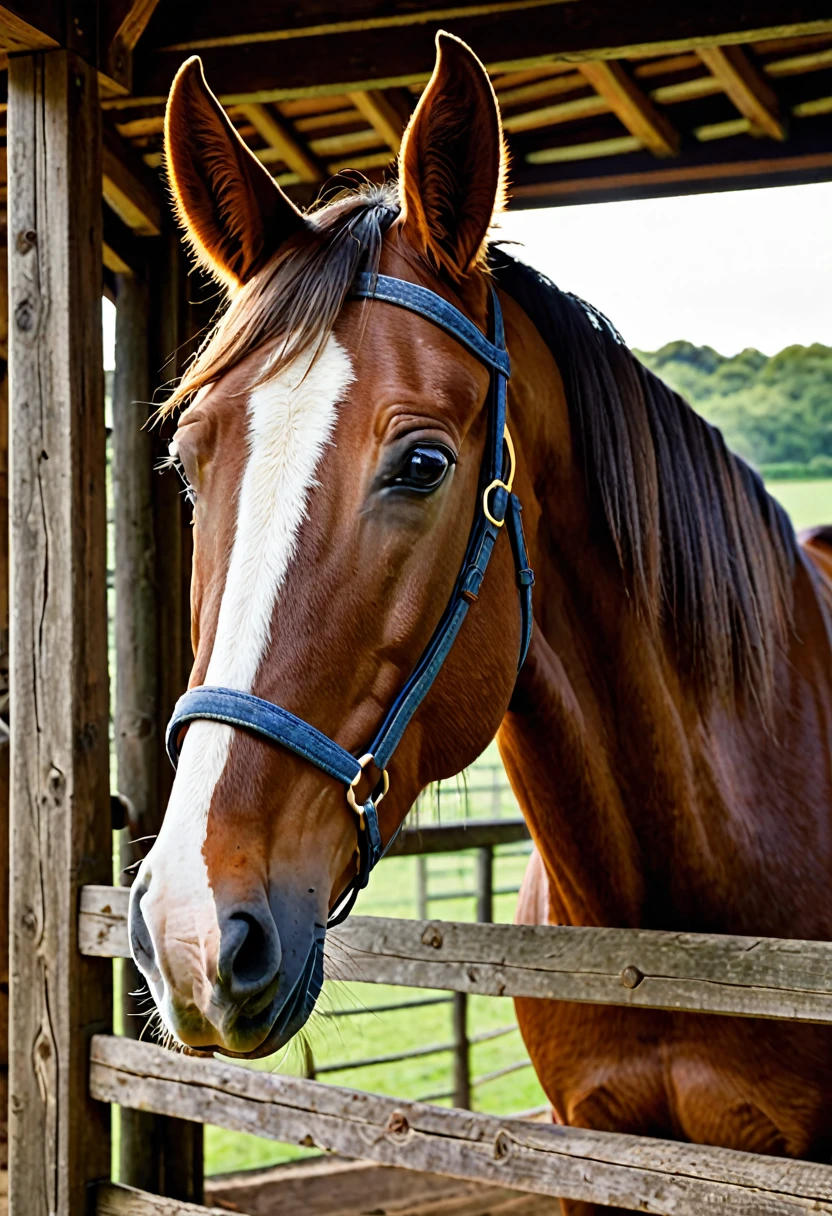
498 505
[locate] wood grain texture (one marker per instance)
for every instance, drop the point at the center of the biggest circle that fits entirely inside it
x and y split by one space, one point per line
240 61
4 701
633 108
60 804
705 973
752 95
115 1200
653 1175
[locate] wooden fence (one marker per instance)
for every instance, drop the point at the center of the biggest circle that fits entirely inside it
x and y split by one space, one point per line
746 976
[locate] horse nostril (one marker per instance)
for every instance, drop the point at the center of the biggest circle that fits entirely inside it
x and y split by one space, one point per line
250 953
141 943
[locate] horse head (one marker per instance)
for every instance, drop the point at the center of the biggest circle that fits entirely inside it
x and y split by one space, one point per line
335 449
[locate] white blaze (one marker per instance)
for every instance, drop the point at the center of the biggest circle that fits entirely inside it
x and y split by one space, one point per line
291 420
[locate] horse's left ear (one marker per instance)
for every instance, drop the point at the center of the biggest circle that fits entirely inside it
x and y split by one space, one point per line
452 162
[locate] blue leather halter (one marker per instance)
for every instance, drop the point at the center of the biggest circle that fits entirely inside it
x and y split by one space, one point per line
497 506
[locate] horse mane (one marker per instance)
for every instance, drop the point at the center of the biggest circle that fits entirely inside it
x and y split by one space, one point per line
708 554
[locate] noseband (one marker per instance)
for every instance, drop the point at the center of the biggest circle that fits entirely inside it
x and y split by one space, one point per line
497 505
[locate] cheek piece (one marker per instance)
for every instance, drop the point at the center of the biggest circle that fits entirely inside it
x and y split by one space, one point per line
497 506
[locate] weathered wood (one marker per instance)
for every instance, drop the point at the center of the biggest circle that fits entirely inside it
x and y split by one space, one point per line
130 188
382 116
30 26
114 1200
462 1055
653 1175
278 134
635 110
454 837
4 700
334 55
123 23
136 710
60 811
694 972
753 96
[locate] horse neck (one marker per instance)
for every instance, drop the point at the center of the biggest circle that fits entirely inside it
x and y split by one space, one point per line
634 794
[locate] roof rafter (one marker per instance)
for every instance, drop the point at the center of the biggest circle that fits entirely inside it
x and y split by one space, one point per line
382 115
752 95
635 110
278 134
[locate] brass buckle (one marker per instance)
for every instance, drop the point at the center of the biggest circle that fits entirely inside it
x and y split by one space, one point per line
498 484
359 810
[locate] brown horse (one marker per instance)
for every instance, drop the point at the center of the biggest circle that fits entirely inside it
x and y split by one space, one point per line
669 735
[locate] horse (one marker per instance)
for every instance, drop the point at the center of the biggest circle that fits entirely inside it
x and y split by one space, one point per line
668 735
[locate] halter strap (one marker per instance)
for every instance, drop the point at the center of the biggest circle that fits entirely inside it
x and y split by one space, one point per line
496 505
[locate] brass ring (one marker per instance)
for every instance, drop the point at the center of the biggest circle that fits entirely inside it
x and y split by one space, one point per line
363 762
497 483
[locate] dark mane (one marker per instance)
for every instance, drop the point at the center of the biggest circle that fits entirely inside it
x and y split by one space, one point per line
708 553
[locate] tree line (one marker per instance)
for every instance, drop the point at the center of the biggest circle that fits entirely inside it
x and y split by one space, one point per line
776 411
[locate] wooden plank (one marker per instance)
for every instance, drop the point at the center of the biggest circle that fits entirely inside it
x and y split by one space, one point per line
634 109
35 25
382 116
752 95
454 837
60 808
114 1200
4 699
130 188
646 968
548 116
796 65
653 1175
346 59
278 134
565 153
123 23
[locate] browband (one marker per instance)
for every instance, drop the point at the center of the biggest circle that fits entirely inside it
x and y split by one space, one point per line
498 506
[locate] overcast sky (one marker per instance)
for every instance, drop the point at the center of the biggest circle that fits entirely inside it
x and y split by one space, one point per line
751 268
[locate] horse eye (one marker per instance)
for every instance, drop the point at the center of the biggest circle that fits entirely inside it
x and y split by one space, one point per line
423 469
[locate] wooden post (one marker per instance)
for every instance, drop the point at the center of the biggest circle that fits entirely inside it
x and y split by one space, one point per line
462 1063
485 885
4 701
421 887
59 1138
181 1143
136 716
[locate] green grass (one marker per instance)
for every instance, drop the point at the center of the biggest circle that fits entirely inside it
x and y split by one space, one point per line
807 502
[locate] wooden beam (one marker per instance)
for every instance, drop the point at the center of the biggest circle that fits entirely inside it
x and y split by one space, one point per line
360 57
565 111
130 187
124 22
278 134
634 109
4 699
382 116
114 1200
703 973
59 1138
661 1176
752 95
35 25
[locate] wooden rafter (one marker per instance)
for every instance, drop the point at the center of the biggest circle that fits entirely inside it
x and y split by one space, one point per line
752 95
316 60
130 188
124 23
635 110
278 134
29 27
382 116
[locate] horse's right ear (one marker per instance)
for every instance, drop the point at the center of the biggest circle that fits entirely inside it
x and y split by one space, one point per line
234 213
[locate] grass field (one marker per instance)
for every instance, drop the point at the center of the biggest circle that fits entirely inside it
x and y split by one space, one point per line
392 892
807 502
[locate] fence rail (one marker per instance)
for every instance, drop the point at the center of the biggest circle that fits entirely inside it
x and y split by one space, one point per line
660 1176
745 976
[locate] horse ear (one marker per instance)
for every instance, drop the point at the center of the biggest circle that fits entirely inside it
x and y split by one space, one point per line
233 211
452 162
